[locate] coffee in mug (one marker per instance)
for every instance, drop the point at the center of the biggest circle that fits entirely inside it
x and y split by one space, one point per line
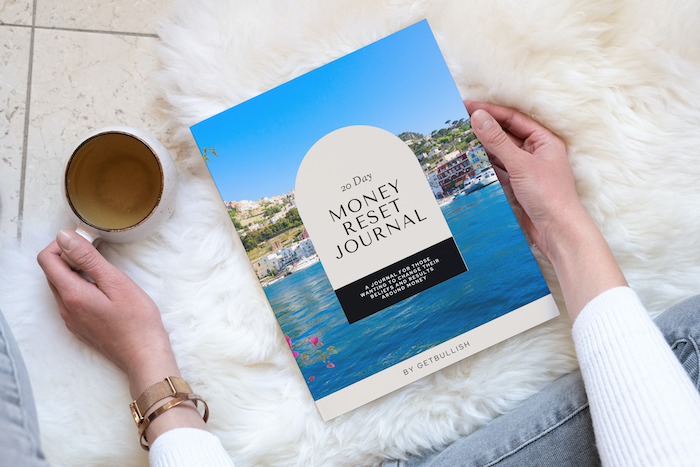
114 181
119 184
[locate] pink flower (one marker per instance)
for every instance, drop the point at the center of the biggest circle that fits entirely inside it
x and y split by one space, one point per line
295 353
314 340
330 365
311 378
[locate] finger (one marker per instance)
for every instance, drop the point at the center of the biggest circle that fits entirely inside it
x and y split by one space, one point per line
56 295
85 256
62 308
503 176
58 273
504 180
517 141
59 300
496 162
494 139
65 314
517 123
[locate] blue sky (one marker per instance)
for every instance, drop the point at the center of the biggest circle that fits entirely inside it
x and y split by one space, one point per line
400 83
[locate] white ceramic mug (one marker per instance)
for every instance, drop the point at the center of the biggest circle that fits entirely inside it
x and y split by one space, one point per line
163 205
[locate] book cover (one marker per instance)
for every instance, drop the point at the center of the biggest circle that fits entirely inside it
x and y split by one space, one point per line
374 221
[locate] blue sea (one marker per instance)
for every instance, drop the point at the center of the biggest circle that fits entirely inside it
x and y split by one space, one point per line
502 277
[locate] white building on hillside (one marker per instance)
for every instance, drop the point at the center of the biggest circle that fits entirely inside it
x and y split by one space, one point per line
288 255
306 248
247 205
267 264
434 183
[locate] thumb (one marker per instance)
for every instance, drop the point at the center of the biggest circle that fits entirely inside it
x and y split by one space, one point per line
83 255
492 136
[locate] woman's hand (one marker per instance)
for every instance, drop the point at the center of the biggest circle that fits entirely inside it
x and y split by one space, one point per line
532 164
118 319
113 315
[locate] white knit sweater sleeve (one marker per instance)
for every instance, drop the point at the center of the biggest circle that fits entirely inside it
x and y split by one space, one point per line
645 409
188 447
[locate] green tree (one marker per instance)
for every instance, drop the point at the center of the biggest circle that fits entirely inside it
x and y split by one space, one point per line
271 211
236 223
406 135
256 237
418 150
461 145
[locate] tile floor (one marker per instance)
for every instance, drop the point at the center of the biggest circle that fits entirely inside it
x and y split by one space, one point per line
67 67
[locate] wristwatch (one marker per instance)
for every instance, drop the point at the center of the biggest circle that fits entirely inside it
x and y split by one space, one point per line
172 386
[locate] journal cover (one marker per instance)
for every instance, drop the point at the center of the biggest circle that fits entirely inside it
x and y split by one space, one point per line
374 221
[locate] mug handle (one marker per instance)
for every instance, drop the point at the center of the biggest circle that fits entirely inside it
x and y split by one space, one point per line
88 235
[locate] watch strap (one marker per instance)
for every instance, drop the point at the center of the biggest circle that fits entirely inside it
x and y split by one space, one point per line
169 387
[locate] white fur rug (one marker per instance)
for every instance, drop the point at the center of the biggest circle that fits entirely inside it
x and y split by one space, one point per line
619 80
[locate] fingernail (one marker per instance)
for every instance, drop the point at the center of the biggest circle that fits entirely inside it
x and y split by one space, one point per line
482 120
66 239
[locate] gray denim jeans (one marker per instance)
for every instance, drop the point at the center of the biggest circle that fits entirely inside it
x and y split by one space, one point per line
19 428
553 427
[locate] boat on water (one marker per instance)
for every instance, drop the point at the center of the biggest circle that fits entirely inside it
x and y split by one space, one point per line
304 263
474 184
489 177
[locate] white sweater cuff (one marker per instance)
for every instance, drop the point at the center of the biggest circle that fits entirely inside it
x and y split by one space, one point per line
188 447
644 407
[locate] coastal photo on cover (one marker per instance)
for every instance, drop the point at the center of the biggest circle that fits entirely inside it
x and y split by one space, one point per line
399 86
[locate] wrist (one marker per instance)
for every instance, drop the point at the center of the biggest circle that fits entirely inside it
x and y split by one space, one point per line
149 366
569 233
165 405
583 262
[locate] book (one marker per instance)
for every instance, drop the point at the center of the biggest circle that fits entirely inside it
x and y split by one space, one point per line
374 221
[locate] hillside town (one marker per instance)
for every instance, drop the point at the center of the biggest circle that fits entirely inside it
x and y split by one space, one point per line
254 215
273 235
452 159
288 259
